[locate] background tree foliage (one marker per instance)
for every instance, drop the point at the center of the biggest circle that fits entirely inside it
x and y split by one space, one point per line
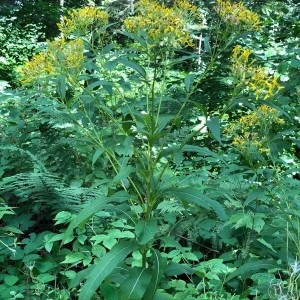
143 159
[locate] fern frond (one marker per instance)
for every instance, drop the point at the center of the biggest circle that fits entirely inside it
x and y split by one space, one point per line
47 190
37 164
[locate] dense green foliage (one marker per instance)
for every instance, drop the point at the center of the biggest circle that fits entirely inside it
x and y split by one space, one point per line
25 26
149 160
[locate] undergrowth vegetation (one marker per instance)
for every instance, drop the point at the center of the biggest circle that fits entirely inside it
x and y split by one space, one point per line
156 156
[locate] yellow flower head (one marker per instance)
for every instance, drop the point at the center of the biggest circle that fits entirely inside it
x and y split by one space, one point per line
61 57
237 16
83 21
255 78
162 24
251 131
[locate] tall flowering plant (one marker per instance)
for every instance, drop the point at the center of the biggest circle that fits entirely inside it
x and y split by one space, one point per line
119 108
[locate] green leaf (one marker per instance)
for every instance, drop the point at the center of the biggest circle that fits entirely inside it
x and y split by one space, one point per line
258 222
50 238
109 291
264 242
160 295
107 85
183 58
207 47
251 267
63 217
241 219
200 150
163 121
106 265
120 234
95 206
145 231
34 242
133 66
97 154
213 125
195 196
123 174
241 102
44 278
270 52
159 266
141 40
110 65
283 67
5 211
44 267
175 269
169 150
61 86
70 274
11 229
257 194
295 63
134 287
251 221
188 81
10 279
81 276
73 258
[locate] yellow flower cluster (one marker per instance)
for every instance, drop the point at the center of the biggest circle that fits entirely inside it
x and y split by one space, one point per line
261 83
237 16
255 78
36 69
61 57
164 25
187 11
83 21
240 62
67 55
251 131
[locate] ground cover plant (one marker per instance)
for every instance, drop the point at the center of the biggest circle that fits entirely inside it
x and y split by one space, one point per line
143 159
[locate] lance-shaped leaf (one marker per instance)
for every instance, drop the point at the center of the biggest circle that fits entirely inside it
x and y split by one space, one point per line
214 126
201 150
134 287
124 173
128 63
158 268
61 86
252 267
94 207
188 81
195 196
106 265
